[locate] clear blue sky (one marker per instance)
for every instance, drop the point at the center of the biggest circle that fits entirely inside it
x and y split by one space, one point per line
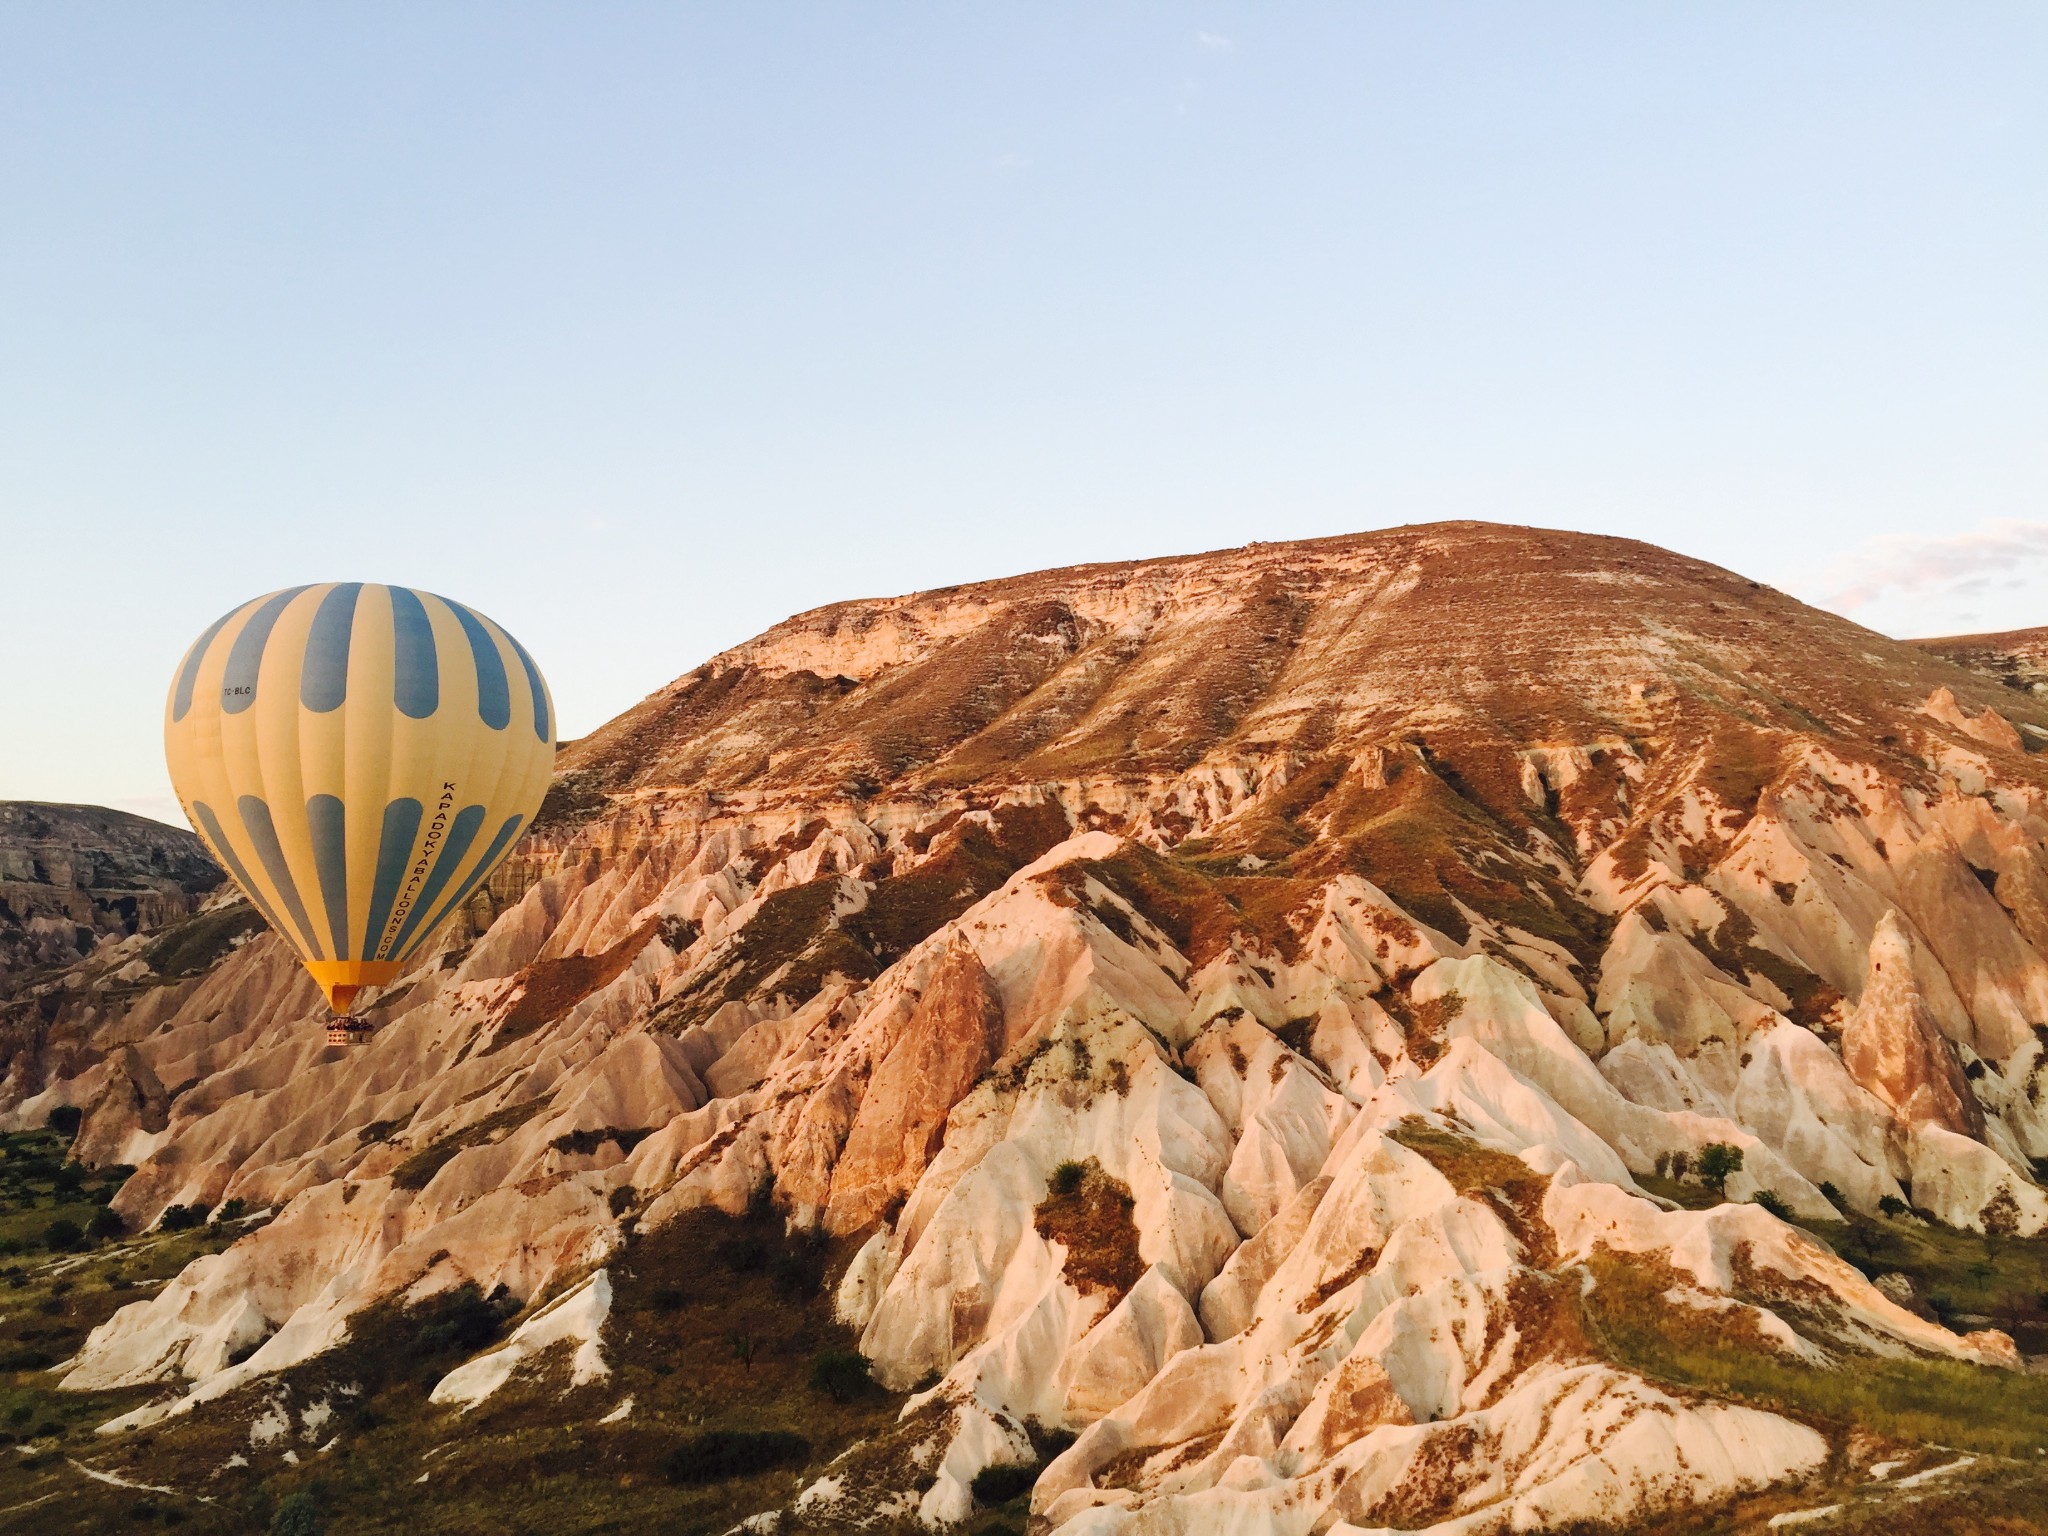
640 327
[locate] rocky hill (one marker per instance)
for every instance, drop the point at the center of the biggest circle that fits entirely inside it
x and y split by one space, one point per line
73 875
2017 658
1443 1029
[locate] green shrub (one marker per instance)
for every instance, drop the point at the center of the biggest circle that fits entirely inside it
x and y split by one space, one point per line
1067 1177
1892 1205
234 1210
183 1218
462 1320
1833 1196
1003 1481
63 1235
1771 1201
717 1455
105 1223
298 1515
841 1374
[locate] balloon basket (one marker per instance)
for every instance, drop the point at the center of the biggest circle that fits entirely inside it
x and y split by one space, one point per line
347 1031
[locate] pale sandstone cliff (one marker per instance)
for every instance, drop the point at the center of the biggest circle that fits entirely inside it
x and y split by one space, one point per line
1282 887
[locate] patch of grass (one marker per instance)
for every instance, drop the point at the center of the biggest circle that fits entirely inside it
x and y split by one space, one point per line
553 987
586 1143
1510 1186
721 1455
1093 1221
187 948
961 866
1942 1402
460 1320
2003 1280
791 944
417 1171
1431 847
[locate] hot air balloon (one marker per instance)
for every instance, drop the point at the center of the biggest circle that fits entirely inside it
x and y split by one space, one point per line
358 758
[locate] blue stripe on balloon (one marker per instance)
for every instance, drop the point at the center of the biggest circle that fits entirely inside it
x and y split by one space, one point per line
327 819
484 866
461 833
256 821
188 674
394 853
245 661
210 825
323 683
493 693
540 693
416 671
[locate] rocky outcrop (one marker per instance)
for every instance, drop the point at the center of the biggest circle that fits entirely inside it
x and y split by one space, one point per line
954 1032
127 1115
2017 658
72 875
1892 1045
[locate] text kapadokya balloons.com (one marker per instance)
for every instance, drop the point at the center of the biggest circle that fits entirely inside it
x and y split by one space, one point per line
359 758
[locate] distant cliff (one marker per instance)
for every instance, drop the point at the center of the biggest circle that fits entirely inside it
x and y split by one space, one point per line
71 875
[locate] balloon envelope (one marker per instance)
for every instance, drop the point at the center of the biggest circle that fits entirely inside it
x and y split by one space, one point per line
359 758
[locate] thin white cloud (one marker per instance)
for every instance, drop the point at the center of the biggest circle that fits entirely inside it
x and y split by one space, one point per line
1898 565
1215 42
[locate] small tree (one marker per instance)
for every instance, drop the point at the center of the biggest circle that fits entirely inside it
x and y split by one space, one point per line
105 1224
2000 1219
1718 1163
841 1374
1892 1205
743 1349
62 1235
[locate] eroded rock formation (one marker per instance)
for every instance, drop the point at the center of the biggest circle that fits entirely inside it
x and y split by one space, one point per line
1237 996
